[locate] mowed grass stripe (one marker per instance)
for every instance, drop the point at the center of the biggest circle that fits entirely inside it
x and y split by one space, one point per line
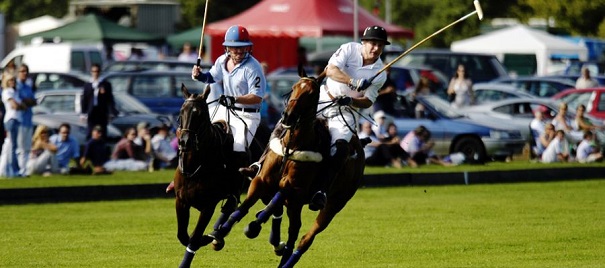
554 224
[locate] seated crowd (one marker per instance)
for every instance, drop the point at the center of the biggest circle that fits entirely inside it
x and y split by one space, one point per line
62 154
565 140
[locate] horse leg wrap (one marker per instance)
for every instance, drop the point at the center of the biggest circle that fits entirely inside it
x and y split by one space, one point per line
294 258
226 210
274 236
264 215
187 259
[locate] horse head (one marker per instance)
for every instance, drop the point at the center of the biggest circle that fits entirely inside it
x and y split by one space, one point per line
302 103
194 122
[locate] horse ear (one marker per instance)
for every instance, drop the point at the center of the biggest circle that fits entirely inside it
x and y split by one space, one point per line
206 91
185 91
321 77
301 70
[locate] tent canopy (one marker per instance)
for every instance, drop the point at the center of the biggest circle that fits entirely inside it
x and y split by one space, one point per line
312 18
92 28
276 25
521 39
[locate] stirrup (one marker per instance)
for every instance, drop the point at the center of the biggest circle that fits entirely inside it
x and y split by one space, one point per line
251 171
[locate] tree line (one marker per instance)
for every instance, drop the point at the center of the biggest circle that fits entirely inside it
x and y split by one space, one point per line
424 17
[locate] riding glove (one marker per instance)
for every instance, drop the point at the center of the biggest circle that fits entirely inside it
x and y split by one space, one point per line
227 101
343 100
359 84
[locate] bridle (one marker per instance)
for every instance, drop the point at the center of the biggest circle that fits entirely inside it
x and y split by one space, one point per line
184 136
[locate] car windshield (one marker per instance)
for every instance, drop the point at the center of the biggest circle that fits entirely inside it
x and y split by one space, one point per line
129 105
442 107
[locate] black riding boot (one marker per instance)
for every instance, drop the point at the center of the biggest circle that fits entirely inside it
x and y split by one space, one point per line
334 164
240 159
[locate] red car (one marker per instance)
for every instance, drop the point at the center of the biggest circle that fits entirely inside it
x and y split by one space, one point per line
592 98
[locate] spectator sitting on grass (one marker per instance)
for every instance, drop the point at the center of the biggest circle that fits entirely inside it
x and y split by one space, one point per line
42 158
586 152
420 147
557 150
96 152
68 148
123 157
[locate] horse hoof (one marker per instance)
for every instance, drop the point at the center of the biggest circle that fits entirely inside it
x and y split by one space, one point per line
280 249
252 230
218 244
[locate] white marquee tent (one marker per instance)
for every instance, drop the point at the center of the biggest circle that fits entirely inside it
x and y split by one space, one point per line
523 40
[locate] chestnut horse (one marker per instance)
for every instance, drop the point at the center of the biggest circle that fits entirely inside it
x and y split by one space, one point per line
290 174
204 176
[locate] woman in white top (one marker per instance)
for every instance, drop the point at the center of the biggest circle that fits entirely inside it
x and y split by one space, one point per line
12 121
462 88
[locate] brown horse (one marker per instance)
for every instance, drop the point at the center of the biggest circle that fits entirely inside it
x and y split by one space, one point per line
290 171
204 176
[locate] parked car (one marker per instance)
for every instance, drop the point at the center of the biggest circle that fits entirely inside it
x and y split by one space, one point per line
592 98
539 86
158 90
480 67
56 80
453 132
575 67
50 57
518 113
159 65
490 92
131 111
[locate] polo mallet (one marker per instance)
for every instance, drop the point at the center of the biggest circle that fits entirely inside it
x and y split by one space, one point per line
199 52
479 12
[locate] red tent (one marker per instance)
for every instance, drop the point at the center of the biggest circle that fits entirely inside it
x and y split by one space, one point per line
276 25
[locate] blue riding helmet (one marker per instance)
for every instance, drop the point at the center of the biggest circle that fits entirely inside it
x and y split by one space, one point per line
237 36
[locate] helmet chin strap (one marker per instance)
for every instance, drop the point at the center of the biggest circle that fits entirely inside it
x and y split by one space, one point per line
245 55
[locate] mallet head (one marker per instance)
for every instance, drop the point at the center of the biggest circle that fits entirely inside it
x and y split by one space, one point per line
478 9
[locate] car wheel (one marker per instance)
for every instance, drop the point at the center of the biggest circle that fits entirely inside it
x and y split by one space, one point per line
472 148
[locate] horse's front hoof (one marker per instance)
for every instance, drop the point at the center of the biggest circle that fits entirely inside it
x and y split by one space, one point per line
218 243
280 249
252 230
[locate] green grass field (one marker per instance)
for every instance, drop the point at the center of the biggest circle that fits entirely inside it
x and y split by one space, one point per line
555 224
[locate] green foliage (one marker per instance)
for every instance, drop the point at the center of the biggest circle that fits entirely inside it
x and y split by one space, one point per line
193 11
18 11
555 224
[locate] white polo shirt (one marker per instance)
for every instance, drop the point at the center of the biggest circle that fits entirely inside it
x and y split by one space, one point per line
246 78
7 94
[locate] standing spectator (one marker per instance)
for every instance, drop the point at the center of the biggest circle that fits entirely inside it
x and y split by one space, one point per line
24 138
422 89
12 122
98 104
68 148
557 150
188 53
123 157
585 81
460 89
264 107
587 152
387 97
164 155
43 158
95 152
